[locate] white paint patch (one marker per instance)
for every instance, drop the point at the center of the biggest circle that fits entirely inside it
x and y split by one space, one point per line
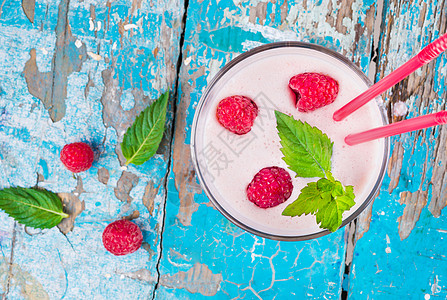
436 288
114 46
388 241
140 24
98 26
227 15
95 56
130 26
426 296
92 25
253 248
187 61
443 70
248 45
78 44
252 2
214 66
44 51
178 265
292 16
400 109
273 34
116 17
123 168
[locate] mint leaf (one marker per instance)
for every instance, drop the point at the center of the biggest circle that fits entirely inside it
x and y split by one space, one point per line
32 207
307 202
307 151
330 215
142 139
325 185
327 199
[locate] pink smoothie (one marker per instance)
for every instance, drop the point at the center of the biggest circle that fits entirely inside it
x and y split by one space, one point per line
229 161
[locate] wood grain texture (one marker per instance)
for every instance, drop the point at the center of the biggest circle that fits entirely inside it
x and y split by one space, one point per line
195 233
82 72
401 252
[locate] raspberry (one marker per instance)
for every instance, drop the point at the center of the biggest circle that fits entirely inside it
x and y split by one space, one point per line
77 157
237 114
122 237
270 186
313 90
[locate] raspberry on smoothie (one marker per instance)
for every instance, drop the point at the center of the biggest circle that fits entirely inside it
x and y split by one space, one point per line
237 114
270 187
313 90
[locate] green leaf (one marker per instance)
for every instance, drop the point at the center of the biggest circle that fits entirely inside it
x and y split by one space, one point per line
307 151
307 202
325 185
32 207
330 216
142 139
326 199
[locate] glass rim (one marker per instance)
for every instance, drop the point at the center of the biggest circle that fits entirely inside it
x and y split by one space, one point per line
285 44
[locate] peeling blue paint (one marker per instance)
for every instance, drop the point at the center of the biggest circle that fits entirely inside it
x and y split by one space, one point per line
229 39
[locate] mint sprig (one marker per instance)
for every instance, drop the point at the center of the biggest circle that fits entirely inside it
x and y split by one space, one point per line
141 140
327 199
32 207
308 152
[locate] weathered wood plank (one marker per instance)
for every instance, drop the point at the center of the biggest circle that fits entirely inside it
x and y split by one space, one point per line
6 244
401 253
221 259
81 72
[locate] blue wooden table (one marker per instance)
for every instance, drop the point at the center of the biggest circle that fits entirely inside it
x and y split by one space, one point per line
81 70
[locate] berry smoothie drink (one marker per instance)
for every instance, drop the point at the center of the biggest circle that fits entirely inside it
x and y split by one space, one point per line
227 162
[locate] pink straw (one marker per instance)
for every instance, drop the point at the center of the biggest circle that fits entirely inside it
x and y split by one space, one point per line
398 128
427 54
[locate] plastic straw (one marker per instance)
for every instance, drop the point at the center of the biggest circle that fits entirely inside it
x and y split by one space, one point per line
427 54
398 128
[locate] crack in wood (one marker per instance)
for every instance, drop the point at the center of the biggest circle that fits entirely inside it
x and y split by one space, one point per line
176 81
